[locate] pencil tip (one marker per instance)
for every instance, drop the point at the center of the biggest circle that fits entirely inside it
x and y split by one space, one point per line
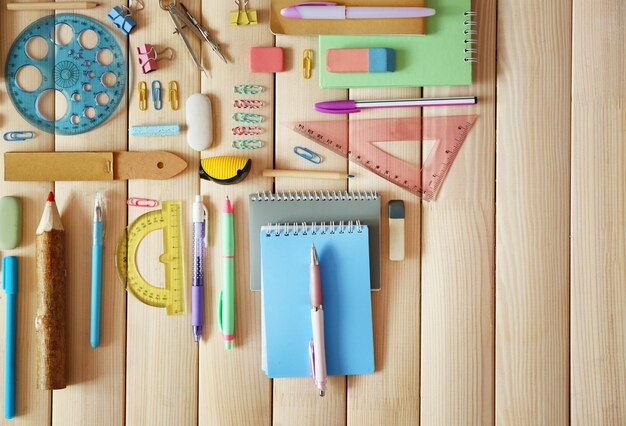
51 196
350 176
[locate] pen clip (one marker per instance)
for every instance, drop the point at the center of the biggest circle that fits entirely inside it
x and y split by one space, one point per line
219 312
312 358
206 227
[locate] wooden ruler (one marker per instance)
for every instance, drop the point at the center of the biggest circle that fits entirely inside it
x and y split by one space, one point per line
356 139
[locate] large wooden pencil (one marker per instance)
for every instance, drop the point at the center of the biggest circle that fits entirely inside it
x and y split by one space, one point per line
66 5
50 322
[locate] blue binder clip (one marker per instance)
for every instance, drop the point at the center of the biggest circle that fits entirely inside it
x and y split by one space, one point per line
122 17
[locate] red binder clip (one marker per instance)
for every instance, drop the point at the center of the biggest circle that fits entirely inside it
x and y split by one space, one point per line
148 57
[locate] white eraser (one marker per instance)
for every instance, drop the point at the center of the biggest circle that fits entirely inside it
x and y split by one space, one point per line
199 121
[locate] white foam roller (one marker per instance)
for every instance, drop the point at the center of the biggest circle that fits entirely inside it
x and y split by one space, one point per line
199 121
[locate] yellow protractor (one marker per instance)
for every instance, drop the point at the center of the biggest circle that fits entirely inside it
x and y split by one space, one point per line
168 219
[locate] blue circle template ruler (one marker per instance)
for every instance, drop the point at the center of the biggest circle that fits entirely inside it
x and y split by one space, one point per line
91 79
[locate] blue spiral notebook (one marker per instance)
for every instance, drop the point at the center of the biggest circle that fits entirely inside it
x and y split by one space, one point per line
343 252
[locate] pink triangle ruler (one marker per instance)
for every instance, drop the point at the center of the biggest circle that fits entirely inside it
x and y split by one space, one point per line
355 140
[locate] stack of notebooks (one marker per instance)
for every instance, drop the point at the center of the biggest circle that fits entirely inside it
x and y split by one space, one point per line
341 226
435 51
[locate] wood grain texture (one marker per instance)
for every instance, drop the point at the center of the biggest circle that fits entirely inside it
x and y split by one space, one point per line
159 346
295 400
391 395
598 247
473 327
458 261
532 215
232 389
32 405
93 373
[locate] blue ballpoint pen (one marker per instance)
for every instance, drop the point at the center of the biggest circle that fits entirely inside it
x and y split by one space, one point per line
96 271
9 284
200 242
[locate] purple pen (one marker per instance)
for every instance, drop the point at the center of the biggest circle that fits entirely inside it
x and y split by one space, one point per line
200 221
349 106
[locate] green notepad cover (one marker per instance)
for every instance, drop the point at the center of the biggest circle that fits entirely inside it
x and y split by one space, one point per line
436 59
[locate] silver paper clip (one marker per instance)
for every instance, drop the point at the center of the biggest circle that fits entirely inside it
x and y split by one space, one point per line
18 136
307 154
157 101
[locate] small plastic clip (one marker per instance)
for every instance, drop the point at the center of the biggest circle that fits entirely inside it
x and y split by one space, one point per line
307 63
172 95
248 144
247 89
18 136
156 95
248 103
244 117
307 154
143 95
141 202
247 131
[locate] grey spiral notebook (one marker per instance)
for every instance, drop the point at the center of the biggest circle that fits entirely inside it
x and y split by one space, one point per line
321 208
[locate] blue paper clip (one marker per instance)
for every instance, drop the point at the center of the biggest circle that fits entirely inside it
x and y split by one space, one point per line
156 95
18 136
307 154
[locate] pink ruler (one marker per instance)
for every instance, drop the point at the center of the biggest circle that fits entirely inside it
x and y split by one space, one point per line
355 139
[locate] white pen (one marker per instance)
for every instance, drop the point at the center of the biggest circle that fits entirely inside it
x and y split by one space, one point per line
317 347
331 10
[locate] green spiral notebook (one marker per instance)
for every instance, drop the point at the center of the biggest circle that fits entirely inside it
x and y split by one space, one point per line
443 57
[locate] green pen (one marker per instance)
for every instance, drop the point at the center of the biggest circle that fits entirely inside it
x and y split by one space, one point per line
226 309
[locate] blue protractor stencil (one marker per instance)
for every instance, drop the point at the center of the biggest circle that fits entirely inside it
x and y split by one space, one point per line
71 69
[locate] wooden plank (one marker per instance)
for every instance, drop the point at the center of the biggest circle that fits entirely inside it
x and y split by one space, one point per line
598 249
228 378
93 373
295 400
161 357
33 406
391 394
532 215
458 259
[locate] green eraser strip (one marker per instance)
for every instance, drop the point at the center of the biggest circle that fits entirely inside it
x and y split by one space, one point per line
10 222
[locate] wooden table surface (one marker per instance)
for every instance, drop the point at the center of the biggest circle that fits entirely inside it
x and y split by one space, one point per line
510 307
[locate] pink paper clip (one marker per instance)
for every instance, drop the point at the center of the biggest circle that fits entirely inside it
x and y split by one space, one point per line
141 202
148 57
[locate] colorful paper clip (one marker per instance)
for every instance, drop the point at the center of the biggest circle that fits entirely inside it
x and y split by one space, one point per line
172 95
247 130
18 136
248 144
244 117
142 87
156 95
248 103
307 154
247 89
122 16
307 63
148 57
141 202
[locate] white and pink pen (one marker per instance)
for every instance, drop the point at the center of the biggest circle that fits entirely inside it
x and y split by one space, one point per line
317 350
331 10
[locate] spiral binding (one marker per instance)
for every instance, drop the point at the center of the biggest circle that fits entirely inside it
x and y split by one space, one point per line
469 32
314 196
287 229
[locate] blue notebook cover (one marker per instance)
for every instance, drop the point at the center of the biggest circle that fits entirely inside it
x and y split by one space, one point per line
343 253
